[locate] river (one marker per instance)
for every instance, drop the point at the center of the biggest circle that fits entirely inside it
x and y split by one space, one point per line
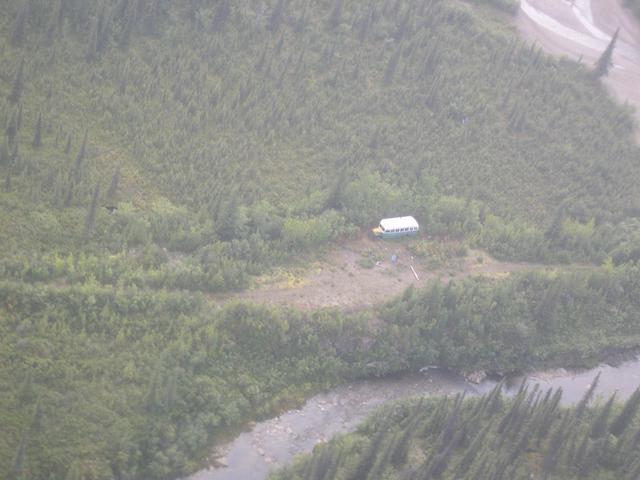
274 442
566 28
581 30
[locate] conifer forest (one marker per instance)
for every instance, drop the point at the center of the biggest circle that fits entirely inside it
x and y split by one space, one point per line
529 436
159 158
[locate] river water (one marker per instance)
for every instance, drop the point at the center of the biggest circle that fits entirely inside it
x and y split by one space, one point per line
274 442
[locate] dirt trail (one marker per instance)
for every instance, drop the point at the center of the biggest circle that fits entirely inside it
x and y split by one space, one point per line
359 274
581 29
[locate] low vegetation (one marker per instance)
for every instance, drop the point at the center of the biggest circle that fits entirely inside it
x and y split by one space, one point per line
152 150
191 145
102 383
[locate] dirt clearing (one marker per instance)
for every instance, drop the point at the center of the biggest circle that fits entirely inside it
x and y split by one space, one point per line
361 273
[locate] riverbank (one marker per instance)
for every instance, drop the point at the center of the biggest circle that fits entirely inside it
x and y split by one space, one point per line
273 443
533 431
171 362
581 30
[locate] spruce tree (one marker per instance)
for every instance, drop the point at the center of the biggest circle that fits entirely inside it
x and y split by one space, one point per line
104 23
18 84
556 442
473 450
4 155
606 59
368 457
19 29
56 21
222 14
400 449
335 17
625 417
19 117
91 214
68 198
301 22
586 398
599 426
92 46
25 394
275 20
19 458
67 148
38 415
37 137
113 187
77 171
12 128
171 390
392 66
150 23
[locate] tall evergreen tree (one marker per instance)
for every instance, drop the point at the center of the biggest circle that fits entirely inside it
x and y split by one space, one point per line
335 17
77 171
12 128
67 148
91 214
92 46
38 415
37 136
171 390
113 187
56 21
104 26
301 22
605 61
19 458
586 398
222 14
25 394
7 181
556 442
18 84
150 24
4 155
68 198
275 20
19 28
624 419
599 426
392 66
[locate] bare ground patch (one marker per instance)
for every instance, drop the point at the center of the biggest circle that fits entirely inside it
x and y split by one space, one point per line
360 273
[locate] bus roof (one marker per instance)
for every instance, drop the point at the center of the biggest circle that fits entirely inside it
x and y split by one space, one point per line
398 222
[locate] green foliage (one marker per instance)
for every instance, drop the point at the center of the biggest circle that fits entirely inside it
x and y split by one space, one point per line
456 439
144 381
215 113
605 62
232 137
509 6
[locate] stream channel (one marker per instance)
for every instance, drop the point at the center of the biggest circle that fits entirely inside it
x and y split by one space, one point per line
273 443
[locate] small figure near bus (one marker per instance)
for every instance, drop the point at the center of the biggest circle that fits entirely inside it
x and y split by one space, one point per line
396 227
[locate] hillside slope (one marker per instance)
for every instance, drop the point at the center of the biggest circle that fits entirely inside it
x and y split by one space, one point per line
108 383
240 133
153 148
